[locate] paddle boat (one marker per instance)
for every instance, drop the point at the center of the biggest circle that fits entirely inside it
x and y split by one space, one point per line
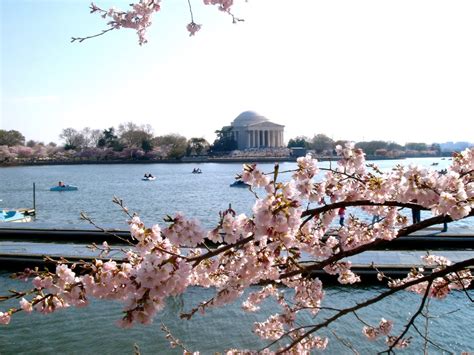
63 188
149 178
197 171
14 216
239 183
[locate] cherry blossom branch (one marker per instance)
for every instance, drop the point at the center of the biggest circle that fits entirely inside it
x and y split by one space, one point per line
343 173
449 269
199 258
173 340
119 202
464 288
378 242
82 39
85 217
336 205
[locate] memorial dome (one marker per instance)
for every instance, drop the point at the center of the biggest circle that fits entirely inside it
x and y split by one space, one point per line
247 118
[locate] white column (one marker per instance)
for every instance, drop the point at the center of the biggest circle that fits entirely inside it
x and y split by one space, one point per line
272 138
248 139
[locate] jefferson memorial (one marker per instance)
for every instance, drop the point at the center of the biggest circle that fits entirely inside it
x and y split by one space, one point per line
251 130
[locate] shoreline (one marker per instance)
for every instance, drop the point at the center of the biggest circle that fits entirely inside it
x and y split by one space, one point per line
188 160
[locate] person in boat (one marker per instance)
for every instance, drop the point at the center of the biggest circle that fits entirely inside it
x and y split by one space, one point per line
194 171
61 184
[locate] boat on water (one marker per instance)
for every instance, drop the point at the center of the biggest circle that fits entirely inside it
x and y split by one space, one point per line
14 216
149 178
64 188
239 183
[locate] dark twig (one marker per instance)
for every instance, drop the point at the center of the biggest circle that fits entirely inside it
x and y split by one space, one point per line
198 259
191 11
345 342
412 320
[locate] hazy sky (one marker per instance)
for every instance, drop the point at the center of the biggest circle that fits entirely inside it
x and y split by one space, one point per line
361 70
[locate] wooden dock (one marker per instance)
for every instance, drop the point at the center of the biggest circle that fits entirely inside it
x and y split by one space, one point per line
431 239
22 248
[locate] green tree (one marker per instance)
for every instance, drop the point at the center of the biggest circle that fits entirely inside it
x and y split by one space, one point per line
394 146
72 138
370 147
436 147
300 141
321 143
147 145
197 146
11 138
108 139
132 135
174 143
91 137
416 146
224 141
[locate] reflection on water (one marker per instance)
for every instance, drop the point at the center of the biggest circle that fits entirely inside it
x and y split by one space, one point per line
200 196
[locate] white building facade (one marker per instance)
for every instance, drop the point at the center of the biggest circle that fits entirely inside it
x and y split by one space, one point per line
251 130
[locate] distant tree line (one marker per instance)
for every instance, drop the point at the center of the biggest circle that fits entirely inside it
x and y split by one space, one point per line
323 145
129 141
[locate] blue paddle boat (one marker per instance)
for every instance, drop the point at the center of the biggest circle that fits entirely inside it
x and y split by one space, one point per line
63 188
239 183
14 216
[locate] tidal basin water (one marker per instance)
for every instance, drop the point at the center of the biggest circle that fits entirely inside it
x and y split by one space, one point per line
92 330
200 196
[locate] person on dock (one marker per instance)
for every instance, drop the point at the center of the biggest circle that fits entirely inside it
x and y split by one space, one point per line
416 214
342 214
445 227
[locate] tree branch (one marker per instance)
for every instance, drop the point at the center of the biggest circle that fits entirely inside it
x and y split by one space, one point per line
378 242
452 268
